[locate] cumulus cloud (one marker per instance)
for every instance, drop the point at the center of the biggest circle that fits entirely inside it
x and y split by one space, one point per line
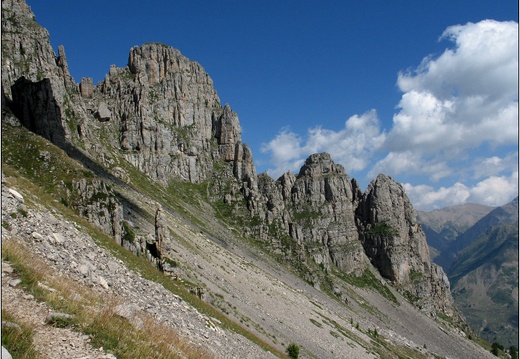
480 64
492 191
494 165
456 125
352 146
453 104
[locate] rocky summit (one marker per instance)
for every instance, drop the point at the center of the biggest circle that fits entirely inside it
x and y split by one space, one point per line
149 167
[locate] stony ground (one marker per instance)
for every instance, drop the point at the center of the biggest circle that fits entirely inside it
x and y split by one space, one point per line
75 254
256 291
50 342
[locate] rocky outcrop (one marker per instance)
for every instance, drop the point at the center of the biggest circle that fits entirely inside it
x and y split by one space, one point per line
155 246
26 51
161 109
316 209
169 119
162 114
96 202
396 245
329 220
86 87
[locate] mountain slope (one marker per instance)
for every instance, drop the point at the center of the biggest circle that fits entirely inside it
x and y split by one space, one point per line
485 275
157 167
443 226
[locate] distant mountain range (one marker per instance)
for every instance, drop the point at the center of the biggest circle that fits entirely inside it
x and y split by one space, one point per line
477 246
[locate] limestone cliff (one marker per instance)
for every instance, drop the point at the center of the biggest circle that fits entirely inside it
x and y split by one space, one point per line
162 115
316 209
160 112
396 244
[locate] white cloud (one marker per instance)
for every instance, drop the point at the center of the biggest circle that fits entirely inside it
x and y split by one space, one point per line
425 197
410 162
481 64
494 165
492 191
465 98
457 120
352 146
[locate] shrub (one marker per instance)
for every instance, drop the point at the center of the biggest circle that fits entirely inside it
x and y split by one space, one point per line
293 351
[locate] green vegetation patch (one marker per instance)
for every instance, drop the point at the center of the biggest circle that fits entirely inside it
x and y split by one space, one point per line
383 229
369 280
39 161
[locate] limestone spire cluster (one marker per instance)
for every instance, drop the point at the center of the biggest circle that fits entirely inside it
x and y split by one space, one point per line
161 113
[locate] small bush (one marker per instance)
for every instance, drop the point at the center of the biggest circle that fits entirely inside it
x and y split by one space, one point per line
293 351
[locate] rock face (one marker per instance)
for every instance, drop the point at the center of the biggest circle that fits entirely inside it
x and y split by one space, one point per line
170 123
161 110
35 105
396 245
162 115
26 51
95 201
316 209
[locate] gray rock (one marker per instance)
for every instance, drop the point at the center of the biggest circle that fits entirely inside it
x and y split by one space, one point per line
57 316
86 88
14 282
16 195
102 282
126 311
103 113
6 268
11 325
317 210
58 238
37 236
84 270
396 244
5 354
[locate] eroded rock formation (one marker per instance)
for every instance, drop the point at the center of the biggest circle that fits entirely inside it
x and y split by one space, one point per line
162 114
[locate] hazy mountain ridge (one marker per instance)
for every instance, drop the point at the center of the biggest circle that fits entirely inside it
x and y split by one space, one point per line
484 275
482 265
153 135
443 226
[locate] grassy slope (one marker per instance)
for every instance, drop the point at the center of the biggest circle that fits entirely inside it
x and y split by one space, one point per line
46 171
25 158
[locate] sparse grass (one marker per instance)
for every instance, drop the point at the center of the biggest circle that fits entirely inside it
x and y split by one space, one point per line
24 173
383 229
18 340
94 314
143 267
369 280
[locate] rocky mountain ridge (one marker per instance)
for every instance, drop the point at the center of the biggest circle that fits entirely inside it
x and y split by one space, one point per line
155 129
162 115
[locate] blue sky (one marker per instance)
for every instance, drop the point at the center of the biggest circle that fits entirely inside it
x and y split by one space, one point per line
424 91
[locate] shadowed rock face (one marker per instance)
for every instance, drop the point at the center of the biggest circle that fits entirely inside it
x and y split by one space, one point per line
35 106
162 114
